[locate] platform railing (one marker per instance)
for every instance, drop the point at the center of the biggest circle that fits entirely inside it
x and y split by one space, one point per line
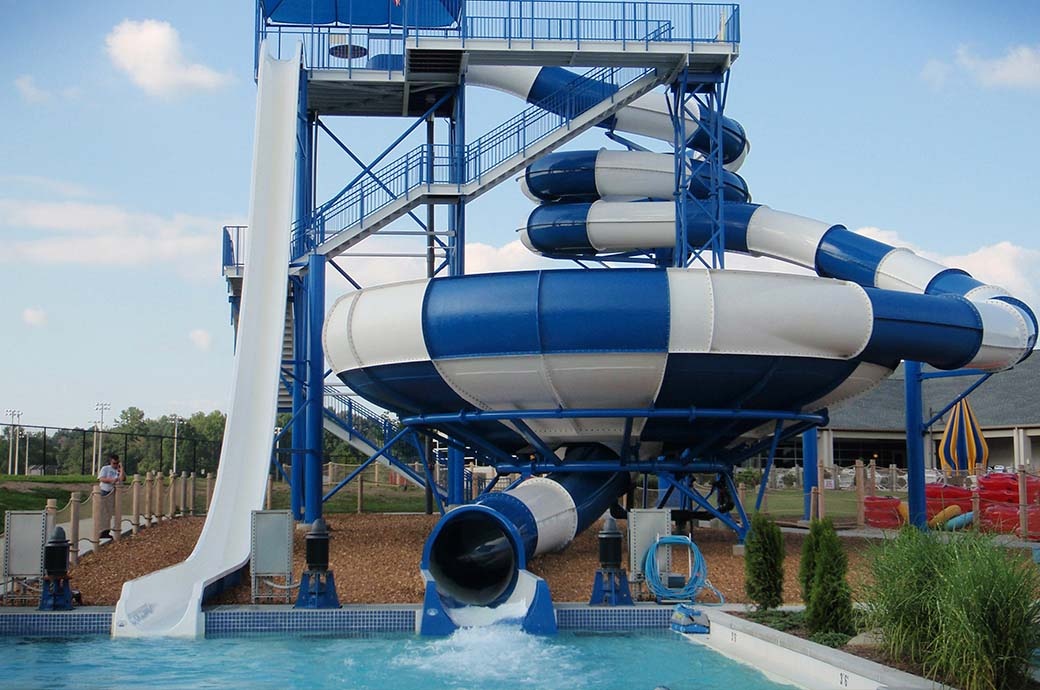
514 137
630 23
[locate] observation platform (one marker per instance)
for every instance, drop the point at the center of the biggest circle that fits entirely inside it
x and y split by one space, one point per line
418 53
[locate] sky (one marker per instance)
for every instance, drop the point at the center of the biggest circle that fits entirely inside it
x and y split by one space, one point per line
127 141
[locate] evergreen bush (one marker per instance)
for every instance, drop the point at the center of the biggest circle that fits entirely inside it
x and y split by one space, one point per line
807 565
829 607
764 562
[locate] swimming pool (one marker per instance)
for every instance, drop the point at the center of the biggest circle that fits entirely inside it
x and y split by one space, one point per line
486 658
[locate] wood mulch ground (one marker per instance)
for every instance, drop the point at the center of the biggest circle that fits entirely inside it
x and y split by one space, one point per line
375 558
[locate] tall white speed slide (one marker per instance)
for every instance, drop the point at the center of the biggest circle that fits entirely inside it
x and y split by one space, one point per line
168 602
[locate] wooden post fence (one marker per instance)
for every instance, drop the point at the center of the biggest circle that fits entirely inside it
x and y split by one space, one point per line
135 504
74 499
191 493
95 507
1023 503
360 494
209 489
860 495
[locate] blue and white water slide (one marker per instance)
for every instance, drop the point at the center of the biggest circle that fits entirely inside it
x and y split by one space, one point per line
631 339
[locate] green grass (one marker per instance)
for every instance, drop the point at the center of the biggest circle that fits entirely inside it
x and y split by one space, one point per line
378 499
789 503
50 478
35 499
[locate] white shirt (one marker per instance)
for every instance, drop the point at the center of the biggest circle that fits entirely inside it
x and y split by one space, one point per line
107 472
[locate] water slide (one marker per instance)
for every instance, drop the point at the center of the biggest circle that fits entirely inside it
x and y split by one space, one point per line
635 339
168 602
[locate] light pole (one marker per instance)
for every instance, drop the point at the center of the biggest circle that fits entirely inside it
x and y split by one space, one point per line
100 407
176 422
24 433
13 414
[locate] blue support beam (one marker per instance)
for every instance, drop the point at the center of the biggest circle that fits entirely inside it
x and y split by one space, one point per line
457 215
915 445
315 387
456 472
810 459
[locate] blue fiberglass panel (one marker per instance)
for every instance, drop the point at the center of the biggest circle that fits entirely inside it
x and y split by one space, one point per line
735 219
517 512
847 256
942 330
734 138
559 228
621 310
737 381
414 13
570 174
952 281
409 388
568 94
494 314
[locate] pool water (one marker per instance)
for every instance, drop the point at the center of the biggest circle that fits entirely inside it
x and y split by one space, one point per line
485 658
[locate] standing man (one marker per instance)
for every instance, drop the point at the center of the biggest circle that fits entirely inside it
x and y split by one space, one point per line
108 477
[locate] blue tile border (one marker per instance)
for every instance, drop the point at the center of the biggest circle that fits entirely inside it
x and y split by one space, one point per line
77 623
228 621
571 617
237 620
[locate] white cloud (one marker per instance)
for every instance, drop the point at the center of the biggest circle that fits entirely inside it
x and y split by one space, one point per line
1018 68
34 316
150 53
73 232
45 184
29 91
201 339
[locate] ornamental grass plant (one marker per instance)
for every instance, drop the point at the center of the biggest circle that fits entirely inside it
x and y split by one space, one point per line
965 609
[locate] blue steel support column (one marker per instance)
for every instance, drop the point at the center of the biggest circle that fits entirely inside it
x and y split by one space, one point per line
315 387
915 445
299 397
457 221
809 471
300 245
456 475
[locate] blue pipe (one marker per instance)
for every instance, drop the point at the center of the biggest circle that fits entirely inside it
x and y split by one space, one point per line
315 388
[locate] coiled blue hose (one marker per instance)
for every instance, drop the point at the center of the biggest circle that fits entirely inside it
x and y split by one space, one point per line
698 575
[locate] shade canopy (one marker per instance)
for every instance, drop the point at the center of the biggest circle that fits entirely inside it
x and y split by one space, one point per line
391 13
963 446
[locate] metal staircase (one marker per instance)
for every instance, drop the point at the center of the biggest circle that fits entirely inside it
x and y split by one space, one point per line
367 431
427 174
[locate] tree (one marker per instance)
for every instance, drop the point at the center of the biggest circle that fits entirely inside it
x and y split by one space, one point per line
764 562
807 566
829 607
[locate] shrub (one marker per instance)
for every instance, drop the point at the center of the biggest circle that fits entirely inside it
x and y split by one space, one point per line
748 476
831 639
807 566
829 607
966 610
764 562
778 620
789 480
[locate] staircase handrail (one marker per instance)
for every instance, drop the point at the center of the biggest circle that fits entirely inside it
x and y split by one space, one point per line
514 136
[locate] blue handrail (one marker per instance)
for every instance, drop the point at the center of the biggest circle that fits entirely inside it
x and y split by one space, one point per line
624 21
515 136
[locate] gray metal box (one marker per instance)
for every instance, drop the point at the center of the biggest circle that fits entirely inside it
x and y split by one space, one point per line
645 526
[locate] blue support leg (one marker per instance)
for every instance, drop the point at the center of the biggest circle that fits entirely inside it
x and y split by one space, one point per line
915 445
315 388
456 478
809 471
299 399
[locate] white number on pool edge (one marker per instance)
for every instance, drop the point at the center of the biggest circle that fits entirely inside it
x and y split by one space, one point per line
732 636
843 680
